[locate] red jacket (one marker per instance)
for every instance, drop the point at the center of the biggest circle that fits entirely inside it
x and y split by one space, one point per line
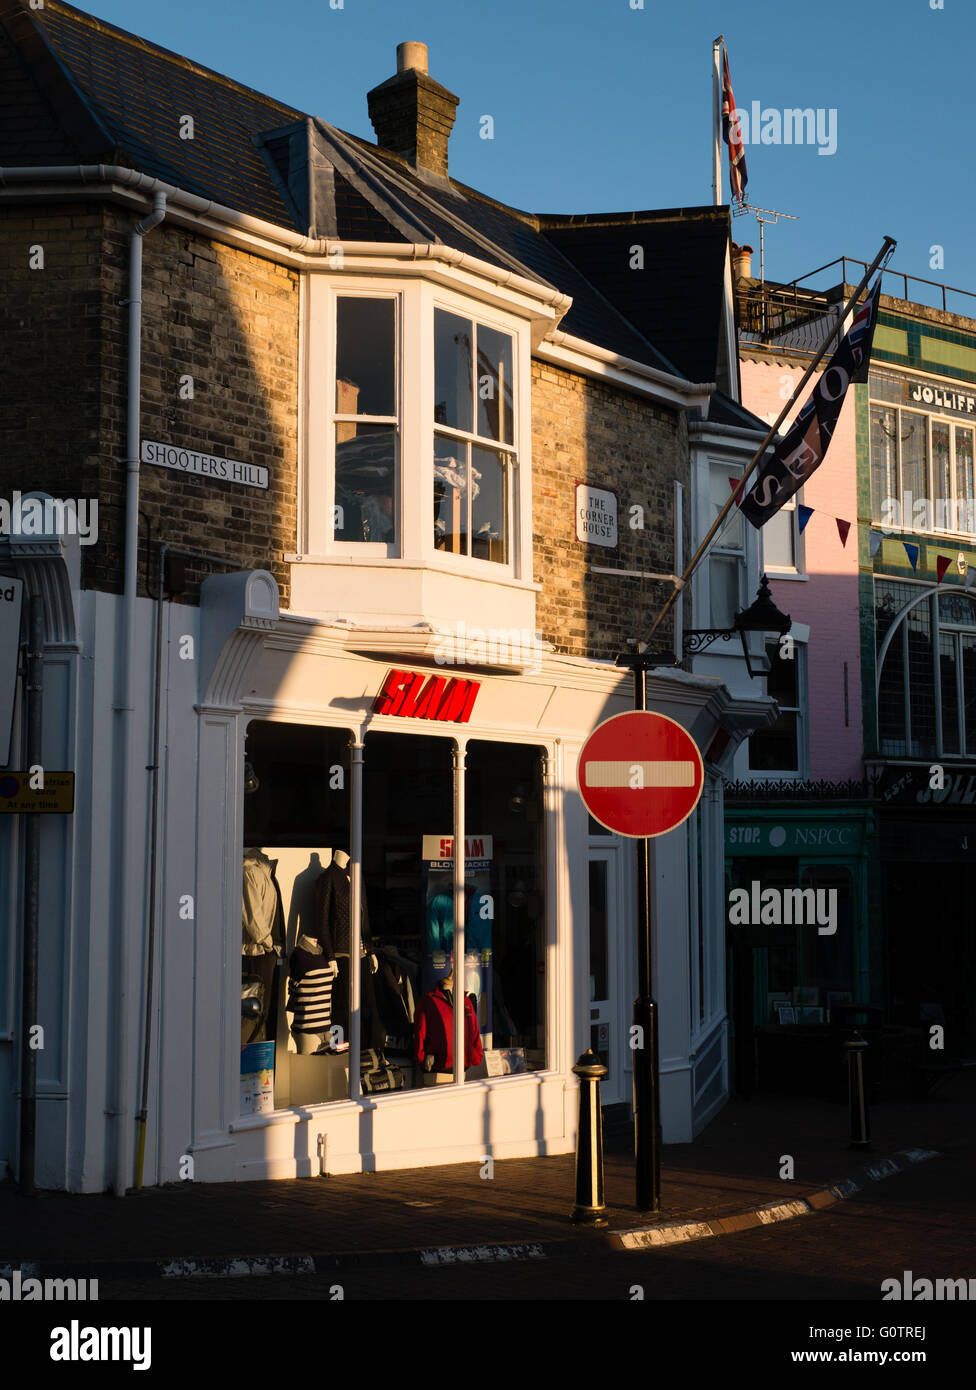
433 1030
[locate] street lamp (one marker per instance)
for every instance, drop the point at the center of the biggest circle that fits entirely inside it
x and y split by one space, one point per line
762 615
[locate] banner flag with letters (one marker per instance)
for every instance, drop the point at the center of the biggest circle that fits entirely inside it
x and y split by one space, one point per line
803 448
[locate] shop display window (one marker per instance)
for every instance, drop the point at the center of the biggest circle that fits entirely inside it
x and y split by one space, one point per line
297 972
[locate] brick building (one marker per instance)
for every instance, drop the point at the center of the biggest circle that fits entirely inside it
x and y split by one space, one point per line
361 448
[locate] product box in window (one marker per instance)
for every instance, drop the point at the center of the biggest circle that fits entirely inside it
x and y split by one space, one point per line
438 924
257 1078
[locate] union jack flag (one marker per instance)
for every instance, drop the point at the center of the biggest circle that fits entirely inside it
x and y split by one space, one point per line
732 134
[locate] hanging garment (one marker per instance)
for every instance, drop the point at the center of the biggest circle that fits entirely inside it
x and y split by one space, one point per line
310 979
434 1031
393 995
262 914
333 908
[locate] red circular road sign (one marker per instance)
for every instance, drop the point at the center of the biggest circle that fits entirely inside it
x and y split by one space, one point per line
640 774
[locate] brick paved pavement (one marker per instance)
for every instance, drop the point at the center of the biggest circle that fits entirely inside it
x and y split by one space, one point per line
732 1166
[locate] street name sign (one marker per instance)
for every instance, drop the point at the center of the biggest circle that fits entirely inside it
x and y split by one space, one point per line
640 774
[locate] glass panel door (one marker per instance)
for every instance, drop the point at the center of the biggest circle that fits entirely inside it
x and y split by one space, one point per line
606 1005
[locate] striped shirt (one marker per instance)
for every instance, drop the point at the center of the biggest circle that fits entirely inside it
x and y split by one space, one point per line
310 991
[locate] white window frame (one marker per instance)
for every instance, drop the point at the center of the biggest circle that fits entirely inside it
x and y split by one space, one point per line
365 548
800 709
798 570
518 501
414 545
908 526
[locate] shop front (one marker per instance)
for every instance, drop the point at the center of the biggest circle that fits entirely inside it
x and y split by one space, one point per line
799 943
927 820
431 933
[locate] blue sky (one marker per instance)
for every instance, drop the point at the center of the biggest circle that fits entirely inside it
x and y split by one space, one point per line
599 106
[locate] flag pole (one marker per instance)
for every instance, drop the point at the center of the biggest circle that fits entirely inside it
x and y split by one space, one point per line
716 123
883 254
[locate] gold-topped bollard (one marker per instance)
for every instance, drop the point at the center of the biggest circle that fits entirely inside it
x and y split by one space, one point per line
590 1209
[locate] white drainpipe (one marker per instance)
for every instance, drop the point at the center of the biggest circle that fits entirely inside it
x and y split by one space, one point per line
129 904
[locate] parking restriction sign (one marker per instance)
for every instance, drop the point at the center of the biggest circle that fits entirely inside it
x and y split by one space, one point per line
640 774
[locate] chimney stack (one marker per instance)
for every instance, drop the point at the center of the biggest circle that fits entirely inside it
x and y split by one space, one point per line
741 262
412 114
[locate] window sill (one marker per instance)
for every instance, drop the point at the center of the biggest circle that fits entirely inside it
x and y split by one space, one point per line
793 575
462 568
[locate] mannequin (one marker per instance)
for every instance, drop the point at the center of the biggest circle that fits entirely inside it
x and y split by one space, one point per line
434 1030
333 908
310 977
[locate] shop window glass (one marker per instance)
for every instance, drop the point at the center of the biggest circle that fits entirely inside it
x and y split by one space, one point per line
504 800
969 689
828 958
294 1025
408 828
921 680
365 420
948 660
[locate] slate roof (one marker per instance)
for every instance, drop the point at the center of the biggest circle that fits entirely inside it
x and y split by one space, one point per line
676 301
77 89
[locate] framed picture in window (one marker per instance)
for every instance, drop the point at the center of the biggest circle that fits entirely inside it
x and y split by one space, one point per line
785 1013
809 1015
806 994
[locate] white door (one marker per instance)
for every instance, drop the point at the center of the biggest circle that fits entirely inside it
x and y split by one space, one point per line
607 1033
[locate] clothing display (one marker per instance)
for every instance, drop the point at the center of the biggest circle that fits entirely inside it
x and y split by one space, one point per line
310 979
333 906
262 937
262 915
434 1031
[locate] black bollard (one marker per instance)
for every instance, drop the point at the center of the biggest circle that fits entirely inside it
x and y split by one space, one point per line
857 1097
589 1209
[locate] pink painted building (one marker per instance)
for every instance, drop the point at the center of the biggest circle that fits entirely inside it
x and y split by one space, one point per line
814 577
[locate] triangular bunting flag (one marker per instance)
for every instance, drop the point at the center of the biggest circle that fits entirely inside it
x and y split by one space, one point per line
804 513
735 485
875 542
942 563
843 529
912 552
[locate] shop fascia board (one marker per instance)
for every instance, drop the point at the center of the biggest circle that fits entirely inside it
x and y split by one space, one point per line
506 289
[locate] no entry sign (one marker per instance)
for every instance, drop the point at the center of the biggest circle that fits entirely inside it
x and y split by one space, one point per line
640 774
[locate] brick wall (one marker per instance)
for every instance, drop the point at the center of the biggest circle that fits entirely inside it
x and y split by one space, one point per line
585 431
225 318
50 336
